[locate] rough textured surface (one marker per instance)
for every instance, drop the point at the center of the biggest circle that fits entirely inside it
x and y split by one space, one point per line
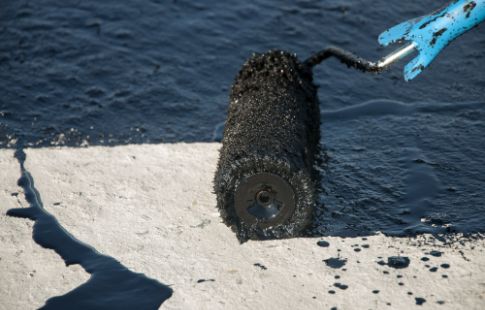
29 274
143 71
152 208
272 126
111 285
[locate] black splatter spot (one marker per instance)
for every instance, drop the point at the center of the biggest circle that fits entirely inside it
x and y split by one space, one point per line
335 262
398 262
261 266
420 301
433 269
468 8
436 35
375 291
205 280
331 292
435 253
341 286
445 266
425 259
323 243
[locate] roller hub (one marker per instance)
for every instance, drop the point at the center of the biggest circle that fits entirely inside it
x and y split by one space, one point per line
266 199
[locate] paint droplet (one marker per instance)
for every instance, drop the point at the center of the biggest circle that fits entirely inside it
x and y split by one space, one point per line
420 301
335 262
323 243
205 280
261 266
341 286
398 262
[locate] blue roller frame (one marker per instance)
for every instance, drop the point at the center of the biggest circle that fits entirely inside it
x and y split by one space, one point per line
431 33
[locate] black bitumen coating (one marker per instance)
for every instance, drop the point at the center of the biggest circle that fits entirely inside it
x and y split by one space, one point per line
76 73
273 126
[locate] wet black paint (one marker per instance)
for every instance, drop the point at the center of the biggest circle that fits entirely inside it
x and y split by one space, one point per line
341 286
160 71
111 286
335 262
420 301
398 262
435 253
323 243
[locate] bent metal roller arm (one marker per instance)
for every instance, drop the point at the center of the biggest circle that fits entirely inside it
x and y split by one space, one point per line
428 35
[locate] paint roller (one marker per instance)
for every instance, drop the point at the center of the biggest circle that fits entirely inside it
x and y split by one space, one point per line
265 182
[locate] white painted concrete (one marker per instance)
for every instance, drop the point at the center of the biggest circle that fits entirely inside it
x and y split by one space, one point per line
29 274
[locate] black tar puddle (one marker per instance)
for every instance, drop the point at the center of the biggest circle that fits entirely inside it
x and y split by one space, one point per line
111 286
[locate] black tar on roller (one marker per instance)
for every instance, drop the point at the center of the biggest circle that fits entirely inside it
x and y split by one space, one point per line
265 182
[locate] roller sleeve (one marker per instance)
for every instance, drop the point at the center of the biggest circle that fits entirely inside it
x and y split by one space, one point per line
265 179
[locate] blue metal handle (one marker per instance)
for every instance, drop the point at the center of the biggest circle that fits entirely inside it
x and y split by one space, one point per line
431 33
